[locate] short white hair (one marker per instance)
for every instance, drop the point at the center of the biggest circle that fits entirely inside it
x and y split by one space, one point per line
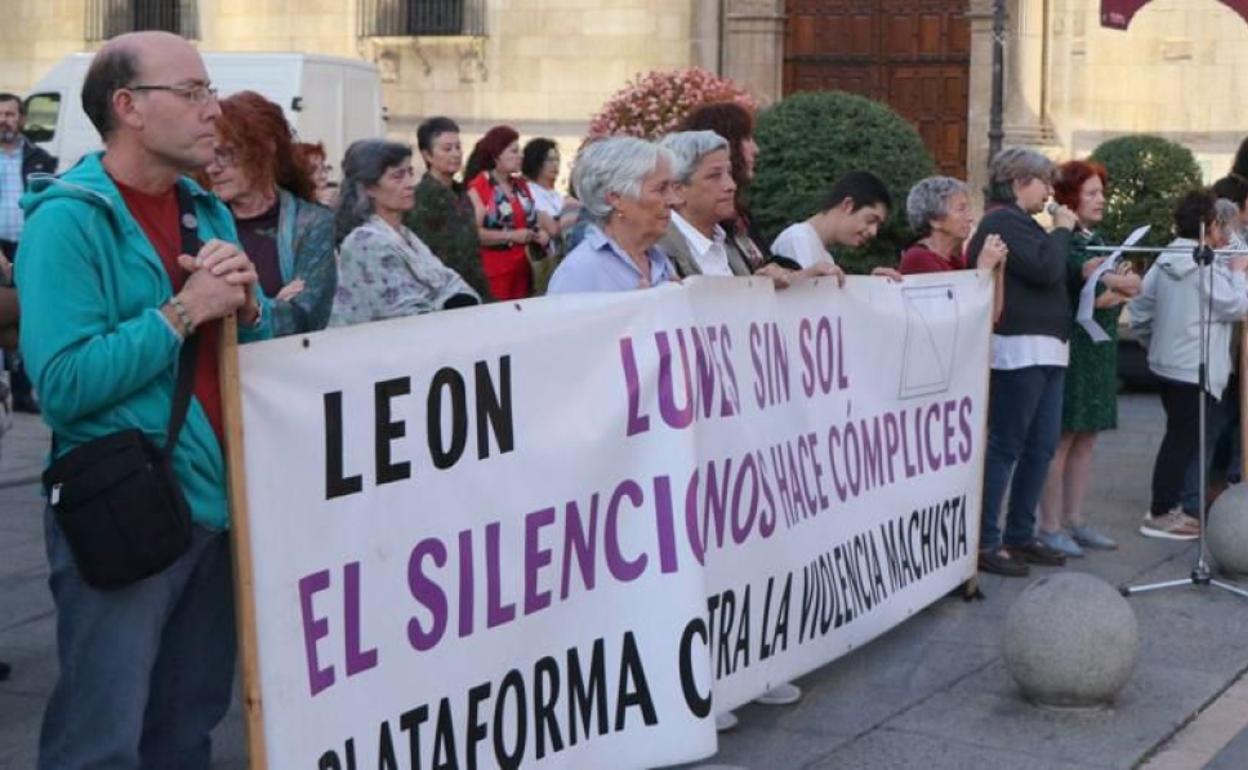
615 165
689 148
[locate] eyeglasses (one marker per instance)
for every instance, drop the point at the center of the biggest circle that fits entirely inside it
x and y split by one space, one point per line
197 94
223 156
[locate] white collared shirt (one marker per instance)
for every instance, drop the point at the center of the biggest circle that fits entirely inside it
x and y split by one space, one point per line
710 253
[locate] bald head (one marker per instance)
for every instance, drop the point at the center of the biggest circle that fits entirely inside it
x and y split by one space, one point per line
124 61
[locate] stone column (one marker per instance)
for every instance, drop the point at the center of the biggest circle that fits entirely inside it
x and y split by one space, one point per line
1026 74
753 53
1026 82
704 35
979 98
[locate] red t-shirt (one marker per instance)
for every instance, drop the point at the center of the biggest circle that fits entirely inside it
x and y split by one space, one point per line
920 259
158 216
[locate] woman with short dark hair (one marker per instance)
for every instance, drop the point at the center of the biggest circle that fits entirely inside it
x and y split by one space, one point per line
442 215
1165 318
386 271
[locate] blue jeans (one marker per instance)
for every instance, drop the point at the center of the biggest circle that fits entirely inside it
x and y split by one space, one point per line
1024 427
145 670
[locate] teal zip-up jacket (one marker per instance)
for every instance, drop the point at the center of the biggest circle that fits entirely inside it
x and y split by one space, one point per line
101 355
305 249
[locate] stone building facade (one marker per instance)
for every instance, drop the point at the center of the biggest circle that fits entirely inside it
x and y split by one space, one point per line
545 66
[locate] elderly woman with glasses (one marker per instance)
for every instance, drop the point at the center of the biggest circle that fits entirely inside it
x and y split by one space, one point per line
1029 356
269 189
386 271
625 188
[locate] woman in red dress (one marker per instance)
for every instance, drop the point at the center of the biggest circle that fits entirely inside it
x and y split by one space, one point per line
507 220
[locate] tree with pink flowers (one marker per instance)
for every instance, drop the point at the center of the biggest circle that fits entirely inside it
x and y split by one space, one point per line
652 104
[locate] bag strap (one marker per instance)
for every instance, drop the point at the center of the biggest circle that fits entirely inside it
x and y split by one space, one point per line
188 224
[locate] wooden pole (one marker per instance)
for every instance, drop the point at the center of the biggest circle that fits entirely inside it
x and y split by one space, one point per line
240 539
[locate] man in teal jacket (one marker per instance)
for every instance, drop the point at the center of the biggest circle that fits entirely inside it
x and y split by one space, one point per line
107 300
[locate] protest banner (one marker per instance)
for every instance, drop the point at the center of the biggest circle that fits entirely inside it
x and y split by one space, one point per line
565 532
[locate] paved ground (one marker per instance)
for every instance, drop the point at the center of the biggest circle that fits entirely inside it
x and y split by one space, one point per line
931 694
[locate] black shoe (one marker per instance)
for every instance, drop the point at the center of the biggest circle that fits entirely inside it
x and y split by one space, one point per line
1036 552
998 563
5 670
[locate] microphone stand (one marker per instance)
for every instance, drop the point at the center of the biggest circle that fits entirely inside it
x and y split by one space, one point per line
1201 574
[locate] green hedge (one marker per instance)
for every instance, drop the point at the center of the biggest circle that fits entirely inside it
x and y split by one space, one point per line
1147 175
809 139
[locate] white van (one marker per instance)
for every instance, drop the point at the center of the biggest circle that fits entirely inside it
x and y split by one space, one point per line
326 99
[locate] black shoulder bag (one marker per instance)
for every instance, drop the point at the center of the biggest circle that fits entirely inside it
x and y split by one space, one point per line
117 498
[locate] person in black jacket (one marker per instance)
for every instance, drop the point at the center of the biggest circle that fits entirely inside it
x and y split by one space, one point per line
19 158
1029 356
20 154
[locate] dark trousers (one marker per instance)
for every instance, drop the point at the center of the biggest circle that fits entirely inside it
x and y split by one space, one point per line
1179 448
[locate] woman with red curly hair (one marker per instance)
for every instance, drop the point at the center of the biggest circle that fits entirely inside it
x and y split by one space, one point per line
271 192
1090 401
507 218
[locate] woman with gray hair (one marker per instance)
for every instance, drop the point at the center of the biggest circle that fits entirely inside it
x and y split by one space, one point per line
1029 357
384 270
625 189
705 195
939 211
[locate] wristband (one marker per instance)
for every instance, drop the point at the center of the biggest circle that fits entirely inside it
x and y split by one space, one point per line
184 317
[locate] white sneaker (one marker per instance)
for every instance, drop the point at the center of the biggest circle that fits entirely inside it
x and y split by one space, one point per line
781 695
1174 525
726 721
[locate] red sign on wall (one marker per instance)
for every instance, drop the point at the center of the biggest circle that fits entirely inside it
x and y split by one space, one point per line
1117 14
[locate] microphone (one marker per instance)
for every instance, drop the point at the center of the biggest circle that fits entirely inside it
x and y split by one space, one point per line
1051 207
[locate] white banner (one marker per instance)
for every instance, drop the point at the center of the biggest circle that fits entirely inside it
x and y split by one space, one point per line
554 533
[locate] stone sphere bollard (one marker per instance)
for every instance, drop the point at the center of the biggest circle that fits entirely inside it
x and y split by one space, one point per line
1071 641
1227 532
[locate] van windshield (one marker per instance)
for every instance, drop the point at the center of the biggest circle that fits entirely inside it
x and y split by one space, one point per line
41 114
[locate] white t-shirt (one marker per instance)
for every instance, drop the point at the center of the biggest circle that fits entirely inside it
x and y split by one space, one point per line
710 253
550 201
800 243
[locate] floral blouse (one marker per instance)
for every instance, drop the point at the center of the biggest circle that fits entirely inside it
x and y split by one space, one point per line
500 209
388 273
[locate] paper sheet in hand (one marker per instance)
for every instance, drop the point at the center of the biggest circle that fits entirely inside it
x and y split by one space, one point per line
1087 296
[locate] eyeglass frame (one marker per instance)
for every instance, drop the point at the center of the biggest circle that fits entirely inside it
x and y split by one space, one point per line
187 91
